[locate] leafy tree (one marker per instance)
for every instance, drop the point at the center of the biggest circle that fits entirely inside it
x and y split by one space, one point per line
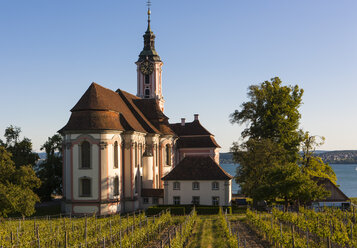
21 150
269 155
50 171
272 113
312 164
16 187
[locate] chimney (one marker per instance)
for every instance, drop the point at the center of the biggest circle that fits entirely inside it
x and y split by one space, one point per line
183 121
196 117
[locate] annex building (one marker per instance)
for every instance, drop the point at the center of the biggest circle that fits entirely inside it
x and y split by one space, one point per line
121 153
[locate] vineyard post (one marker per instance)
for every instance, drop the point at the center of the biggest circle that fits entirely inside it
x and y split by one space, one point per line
38 238
161 244
11 238
293 238
134 219
245 243
65 239
238 239
307 238
169 238
110 227
281 233
120 239
17 236
328 242
351 231
85 231
103 242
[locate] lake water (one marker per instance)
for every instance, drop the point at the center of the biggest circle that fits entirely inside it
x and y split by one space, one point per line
346 177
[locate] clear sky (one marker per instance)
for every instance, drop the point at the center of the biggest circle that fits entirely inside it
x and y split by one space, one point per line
50 52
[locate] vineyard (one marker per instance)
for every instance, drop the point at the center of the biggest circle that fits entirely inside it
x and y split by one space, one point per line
330 228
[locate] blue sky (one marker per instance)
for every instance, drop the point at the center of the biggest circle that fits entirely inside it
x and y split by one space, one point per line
50 52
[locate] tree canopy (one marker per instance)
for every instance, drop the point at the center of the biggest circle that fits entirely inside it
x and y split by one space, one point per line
50 170
271 166
21 150
16 186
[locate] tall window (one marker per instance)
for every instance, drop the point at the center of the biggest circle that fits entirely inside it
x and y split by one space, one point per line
136 183
215 200
116 186
176 185
85 189
136 155
168 155
147 93
176 200
215 186
147 79
195 185
157 155
85 155
141 154
116 159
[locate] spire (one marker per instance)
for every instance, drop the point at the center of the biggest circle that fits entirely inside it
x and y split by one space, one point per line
148 51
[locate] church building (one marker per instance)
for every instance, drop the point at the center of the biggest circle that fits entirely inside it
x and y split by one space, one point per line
118 147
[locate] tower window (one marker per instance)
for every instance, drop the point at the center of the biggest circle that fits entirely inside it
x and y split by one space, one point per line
147 79
147 93
168 155
116 164
116 186
85 155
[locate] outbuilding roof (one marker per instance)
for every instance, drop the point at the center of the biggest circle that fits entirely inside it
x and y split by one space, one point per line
197 142
197 168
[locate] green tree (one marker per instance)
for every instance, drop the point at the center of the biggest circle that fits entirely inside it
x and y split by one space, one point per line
16 187
273 113
50 170
269 154
21 150
312 164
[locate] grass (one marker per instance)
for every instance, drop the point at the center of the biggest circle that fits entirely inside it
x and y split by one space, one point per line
207 233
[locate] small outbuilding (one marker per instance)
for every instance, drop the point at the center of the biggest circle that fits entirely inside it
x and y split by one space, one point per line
337 197
198 180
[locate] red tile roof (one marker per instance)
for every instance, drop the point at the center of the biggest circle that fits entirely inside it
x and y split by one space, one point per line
197 141
190 128
102 109
197 168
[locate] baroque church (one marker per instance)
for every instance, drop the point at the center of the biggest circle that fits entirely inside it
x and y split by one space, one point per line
120 153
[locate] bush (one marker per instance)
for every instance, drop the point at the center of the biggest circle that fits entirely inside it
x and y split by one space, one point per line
186 209
212 210
176 210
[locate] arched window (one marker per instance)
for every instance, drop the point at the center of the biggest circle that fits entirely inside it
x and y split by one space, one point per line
85 155
116 159
116 186
147 93
168 155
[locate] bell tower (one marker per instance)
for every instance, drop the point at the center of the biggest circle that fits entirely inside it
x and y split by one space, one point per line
149 68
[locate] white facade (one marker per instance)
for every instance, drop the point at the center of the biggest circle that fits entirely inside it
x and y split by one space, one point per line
131 171
206 192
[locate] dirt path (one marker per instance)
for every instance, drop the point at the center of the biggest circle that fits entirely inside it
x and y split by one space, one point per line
248 236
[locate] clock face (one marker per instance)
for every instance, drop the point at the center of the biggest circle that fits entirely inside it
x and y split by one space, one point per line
147 67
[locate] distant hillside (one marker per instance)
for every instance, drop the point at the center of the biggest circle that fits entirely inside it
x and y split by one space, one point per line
332 157
225 158
339 157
